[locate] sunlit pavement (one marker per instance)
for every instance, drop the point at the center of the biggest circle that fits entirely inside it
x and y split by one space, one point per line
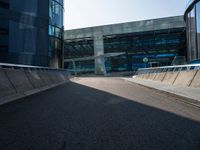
99 114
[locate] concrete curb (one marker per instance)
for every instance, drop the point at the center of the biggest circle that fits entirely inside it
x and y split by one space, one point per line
184 99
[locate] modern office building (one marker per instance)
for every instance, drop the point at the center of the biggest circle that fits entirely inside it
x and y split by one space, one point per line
192 18
31 32
126 46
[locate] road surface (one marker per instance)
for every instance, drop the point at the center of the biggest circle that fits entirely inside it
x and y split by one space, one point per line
99 114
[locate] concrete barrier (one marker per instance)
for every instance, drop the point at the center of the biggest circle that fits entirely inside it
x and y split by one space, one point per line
140 76
152 76
146 76
66 76
61 77
181 75
45 77
19 81
53 77
6 87
170 77
196 81
58 76
35 78
159 76
49 77
185 78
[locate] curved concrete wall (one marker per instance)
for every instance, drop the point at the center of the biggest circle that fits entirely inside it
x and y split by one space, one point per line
188 78
18 83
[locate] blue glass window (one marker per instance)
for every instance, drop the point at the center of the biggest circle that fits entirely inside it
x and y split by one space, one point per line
56 13
54 31
198 28
198 16
29 7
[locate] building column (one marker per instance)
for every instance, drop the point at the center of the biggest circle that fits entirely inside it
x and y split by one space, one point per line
74 68
99 51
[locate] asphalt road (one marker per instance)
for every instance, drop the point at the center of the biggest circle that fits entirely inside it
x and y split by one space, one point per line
99 114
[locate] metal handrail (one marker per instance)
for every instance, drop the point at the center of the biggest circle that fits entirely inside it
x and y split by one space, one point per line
27 67
168 69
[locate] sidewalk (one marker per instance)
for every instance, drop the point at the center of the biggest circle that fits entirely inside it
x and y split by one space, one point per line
191 95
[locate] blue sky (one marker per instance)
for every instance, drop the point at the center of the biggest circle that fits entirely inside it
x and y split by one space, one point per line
87 13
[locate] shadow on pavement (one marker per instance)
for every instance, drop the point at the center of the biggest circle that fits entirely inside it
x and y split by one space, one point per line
76 117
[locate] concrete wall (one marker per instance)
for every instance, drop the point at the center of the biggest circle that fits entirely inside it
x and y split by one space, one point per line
196 81
185 78
125 28
188 78
170 77
160 76
18 83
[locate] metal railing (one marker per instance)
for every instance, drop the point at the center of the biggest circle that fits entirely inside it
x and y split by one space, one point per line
168 69
27 67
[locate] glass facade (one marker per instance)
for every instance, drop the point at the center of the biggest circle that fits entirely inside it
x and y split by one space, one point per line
31 32
56 32
77 49
192 18
145 49
198 27
142 49
4 32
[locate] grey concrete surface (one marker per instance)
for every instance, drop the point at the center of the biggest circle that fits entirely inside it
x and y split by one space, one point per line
125 28
18 83
49 78
45 79
159 76
6 87
35 79
188 78
185 78
170 77
19 80
192 94
99 114
196 81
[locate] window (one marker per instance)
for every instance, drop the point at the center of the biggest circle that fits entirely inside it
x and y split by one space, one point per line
25 35
192 34
198 28
56 14
26 6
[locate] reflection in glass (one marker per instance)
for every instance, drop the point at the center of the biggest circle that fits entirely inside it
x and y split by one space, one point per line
198 27
55 32
159 47
56 13
193 32
26 6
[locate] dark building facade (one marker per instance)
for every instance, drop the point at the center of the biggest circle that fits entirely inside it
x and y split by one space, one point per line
147 43
145 49
192 18
78 48
31 32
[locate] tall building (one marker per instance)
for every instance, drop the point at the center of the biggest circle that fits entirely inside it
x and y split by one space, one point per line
132 45
192 18
31 32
